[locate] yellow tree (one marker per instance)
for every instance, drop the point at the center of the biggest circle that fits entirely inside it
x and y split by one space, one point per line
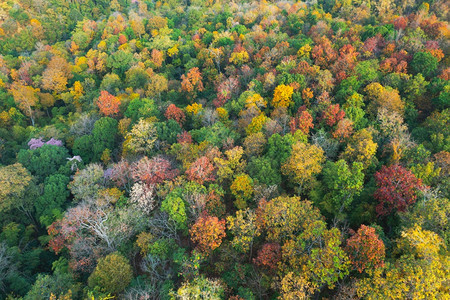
383 97
242 189
26 98
244 229
56 75
304 163
361 148
282 96
232 164
421 272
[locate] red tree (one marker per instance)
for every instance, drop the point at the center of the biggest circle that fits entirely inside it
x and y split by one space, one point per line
225 90
304 122
175 113
333 114
400 23
344 130
120 174
122 39
397 188
268 256
108 104
207 233
184 138
153 171
365 249
201 170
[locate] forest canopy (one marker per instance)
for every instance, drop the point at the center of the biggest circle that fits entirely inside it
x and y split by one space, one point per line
224 150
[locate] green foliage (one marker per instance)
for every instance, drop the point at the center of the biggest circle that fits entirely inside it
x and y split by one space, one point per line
141 108
43 161
341 184
425 63
103 136
112 274
50 204
175 207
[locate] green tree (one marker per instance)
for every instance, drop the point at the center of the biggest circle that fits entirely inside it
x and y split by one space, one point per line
50 204
43 161
175 207
104 136
82 146
120 61
425 63
342 183
112 274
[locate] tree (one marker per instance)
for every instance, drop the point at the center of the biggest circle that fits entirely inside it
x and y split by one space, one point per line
425 63
141 139
285 217
422 244
136 77
242 189
192 81
112 274
383 97
120 61
175 207
15 186
304 163
342 184
108 104
268 256
55 77
397 189
344 130
120 174
295 287
365 249
361 148
254 144
333 114
87 183
420 273
201 171
43 161
244 230
153 171
207 233
143 196
26 98
263 171
141 109
282 96
175 113
432 214
201 288
82 147
232 164
103 136
308 247
50 203
92 230
303 122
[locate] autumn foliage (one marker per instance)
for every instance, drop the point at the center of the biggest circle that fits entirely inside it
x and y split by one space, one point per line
365 249
108 104
397 189
207 233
